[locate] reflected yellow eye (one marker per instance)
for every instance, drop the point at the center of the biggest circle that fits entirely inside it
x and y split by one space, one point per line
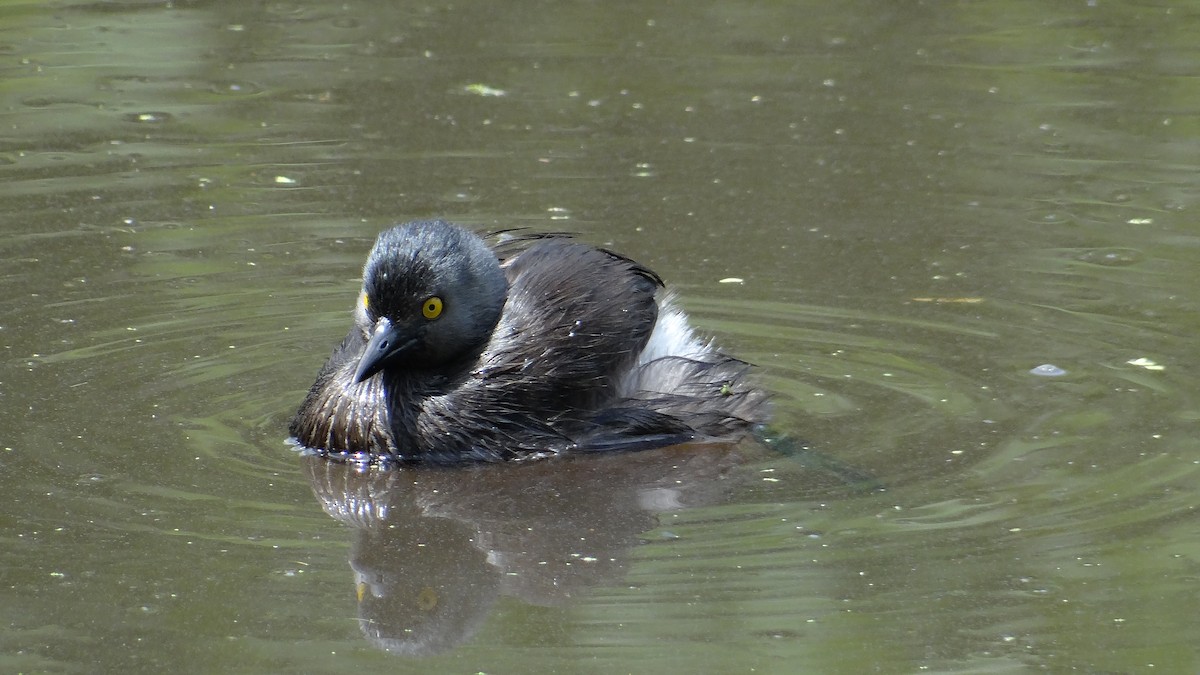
427 599
432 308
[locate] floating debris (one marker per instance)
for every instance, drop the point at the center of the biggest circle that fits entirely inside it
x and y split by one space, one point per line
967 301
480 89
1144 362
1048 370
644 170
150 117
731 280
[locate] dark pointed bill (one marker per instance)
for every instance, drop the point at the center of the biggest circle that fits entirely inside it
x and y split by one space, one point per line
387 341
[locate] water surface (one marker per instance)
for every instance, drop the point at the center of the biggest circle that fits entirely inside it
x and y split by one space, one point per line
924 202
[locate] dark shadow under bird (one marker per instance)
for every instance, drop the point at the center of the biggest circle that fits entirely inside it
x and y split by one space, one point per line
538 346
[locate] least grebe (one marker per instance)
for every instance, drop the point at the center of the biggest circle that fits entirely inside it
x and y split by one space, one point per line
538 345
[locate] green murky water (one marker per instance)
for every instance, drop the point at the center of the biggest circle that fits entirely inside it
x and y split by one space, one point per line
924 201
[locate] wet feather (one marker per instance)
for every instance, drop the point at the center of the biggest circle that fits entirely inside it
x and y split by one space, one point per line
547 345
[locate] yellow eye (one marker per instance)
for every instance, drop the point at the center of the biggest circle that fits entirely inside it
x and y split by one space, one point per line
432 308
364 301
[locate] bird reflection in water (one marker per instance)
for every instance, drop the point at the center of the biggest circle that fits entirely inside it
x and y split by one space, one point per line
434 547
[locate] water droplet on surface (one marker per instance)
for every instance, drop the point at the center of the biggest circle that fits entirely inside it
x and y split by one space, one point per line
1111 257
229 87
1048 370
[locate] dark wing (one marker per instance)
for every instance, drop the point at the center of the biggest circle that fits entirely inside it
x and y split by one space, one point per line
575 320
